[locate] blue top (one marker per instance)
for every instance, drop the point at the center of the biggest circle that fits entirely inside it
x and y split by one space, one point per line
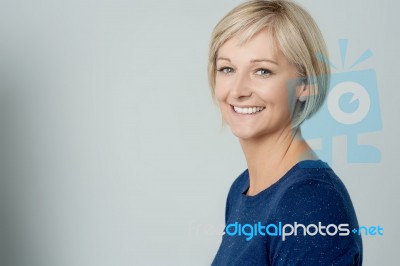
310 198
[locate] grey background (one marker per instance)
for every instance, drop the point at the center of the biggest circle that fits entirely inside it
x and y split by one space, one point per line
112 151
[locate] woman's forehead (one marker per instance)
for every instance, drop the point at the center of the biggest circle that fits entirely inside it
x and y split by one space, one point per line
261 44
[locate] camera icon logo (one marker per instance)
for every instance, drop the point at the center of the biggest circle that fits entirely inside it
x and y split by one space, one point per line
351 108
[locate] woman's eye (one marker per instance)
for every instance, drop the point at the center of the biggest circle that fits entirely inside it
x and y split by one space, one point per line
226 70
263 72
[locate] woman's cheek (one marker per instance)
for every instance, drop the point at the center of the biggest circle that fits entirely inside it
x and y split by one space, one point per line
220 92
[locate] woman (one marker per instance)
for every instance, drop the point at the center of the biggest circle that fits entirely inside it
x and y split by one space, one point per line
267 76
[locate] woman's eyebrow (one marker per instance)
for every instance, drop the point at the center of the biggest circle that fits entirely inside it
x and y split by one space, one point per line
263 60
223 58
251 61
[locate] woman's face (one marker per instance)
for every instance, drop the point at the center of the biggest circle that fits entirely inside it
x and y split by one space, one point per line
251 87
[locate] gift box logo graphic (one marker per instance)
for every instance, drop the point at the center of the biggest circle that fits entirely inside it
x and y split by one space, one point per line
351 108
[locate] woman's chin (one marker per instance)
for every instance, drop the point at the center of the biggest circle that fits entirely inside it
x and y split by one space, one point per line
244 134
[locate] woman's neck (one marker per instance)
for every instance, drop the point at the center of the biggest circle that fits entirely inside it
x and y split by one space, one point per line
270 157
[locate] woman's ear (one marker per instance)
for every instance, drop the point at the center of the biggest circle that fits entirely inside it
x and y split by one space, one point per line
302 90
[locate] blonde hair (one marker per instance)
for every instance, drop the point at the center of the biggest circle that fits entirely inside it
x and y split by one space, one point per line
295 33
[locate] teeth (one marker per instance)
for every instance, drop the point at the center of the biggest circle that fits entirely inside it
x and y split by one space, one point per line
248 110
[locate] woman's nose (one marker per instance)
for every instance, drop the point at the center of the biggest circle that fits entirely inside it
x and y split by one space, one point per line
241 86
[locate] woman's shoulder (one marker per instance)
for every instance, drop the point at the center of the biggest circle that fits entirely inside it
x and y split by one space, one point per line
313 196
313 190
309 173
312 175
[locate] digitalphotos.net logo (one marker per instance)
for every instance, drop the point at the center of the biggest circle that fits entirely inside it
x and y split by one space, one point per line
249 231
351 108
283 230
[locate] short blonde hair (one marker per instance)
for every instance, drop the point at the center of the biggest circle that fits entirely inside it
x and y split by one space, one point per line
295 33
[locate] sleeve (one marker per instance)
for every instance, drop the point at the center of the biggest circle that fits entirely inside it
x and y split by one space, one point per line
326 216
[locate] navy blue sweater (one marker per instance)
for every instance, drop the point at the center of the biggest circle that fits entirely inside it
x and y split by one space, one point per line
309 199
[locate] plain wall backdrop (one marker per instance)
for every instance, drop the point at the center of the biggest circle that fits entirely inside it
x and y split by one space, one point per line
112 151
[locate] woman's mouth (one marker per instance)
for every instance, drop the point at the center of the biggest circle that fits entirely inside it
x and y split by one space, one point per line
248 110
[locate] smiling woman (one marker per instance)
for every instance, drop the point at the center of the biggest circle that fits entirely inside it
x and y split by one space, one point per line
266 77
